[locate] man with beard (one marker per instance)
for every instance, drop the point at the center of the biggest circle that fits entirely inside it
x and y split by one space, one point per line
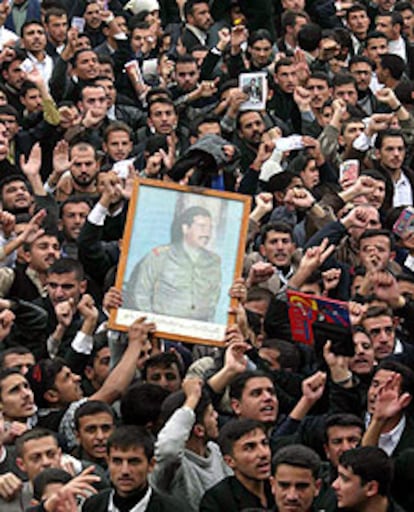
246 450
83 170
250 129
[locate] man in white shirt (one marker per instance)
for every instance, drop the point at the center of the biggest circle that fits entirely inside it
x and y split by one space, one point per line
34 42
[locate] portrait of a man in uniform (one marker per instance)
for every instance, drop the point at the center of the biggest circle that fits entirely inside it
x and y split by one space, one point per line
182 278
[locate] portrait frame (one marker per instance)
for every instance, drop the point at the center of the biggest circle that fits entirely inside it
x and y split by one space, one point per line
154 209
256 87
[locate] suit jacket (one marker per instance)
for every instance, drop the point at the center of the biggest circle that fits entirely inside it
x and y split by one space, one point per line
157 503
230 495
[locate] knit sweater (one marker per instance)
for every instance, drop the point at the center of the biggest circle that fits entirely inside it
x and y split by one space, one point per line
180 472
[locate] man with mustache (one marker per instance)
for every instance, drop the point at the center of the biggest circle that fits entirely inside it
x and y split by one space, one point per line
272 266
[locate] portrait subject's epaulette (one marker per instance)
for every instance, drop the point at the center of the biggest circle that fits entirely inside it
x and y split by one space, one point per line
161 249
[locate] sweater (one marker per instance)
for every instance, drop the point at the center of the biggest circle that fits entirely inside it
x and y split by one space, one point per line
180 472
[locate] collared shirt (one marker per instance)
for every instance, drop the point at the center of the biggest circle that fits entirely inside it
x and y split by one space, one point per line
398 48
200 34
45 67
403 194
389 440
141 506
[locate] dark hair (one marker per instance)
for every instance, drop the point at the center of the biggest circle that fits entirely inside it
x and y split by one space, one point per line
309 37
369 233
27 86
239 383
370 463
343 79
284 61
289 18
155 93
374 174
357 59
9 110
31 435
79 52
163 101
28 23
278 227
204 119
320 75
375 311
73 200
259 35
342 420
289 354
162 360
403 6
394 64
186 218
280 182
46 477
189 6
374 34
233 430
299 456
396 17
54 11
66 265
356 8
6 372
90 408
185 59
42 377
19 350
130 436
141 405
176 400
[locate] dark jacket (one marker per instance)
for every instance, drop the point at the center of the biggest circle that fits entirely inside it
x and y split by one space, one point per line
230 495
157 503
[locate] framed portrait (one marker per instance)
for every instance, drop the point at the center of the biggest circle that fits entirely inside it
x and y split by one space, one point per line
182 249
255 86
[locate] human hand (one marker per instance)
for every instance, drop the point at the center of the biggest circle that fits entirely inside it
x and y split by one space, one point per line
10 486
331 278
112 299
238 36
112 189
64 312
224 36
61 161
7 318
356 312
387 95
87 309
33 230
338 365
357 218
386 288
389 400
8 223
235 361
301 65
192 387
299 197
313 387
259 272
302 98
140 330
263 154
377 123
32 165
238 290
315 256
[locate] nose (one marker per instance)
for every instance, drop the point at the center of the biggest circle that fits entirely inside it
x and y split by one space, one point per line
292 494
99 434
335 485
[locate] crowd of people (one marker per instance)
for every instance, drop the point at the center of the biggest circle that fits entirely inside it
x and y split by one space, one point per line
96 93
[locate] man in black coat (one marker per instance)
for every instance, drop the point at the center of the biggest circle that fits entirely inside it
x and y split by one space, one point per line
130 461
246 450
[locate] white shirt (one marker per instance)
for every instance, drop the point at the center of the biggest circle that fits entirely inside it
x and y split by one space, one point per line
403 194
45 66
389 441
398 48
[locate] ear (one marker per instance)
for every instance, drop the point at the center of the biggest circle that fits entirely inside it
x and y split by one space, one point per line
228 459
235 405
318 485
262 250
83 286
392 255
80 107
151 465
377 154
27 257
104 147
198 430
88 372
52 396
325 447
341 141
20 464
405 400
371 488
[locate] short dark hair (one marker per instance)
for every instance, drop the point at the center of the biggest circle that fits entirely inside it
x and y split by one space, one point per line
176 400
90 408
233 430
117 126
6 372
190 4
278 227
370 463
74 200
343 79
186 218
31 435
394 63
18 350
299 456
369 233
356 7
309 37
42 377
163 360
357 59
54 11
239 383
141 404
66 265
28 23
259 35
342 420
49 476
407 375
163 101
130 436
389 132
